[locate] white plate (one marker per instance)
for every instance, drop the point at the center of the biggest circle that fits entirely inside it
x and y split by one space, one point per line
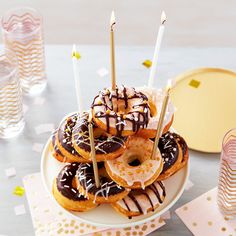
105 215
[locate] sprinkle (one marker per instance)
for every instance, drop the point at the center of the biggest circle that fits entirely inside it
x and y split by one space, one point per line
39 101
19 191
104 184
73 164
44 128
62 180
66 173
66 186
194 83
70 173
172 155
102 72
89 181
73 190
10 172
108 189
37 147
147 63
174 149
19 210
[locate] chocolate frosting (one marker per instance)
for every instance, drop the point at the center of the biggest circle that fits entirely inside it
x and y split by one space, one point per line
182 143
86 179
108 99
65 134
169 149
104 144
55 147
64 182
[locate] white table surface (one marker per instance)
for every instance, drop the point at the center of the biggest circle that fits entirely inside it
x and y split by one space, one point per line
60 100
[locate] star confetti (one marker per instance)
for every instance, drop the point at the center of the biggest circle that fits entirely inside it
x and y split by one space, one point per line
19 191
10 172
19 210
194 83
147 63
102 72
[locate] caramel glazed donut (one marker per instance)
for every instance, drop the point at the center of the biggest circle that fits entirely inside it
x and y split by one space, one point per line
66 193
141 201
62 141
122 111
107 192
136 168
174 151
107 147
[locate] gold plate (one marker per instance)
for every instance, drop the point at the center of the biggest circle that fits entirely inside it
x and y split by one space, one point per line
205 99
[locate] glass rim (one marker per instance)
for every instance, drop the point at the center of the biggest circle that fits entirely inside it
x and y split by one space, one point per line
38 15
225 140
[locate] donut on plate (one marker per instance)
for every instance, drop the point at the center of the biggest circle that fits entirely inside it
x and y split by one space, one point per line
135 168
122 111
174 151
64 139
141 201
66 193
107 192
107 146
155 99
56 153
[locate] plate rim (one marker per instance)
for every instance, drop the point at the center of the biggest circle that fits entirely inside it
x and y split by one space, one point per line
185 75
122 225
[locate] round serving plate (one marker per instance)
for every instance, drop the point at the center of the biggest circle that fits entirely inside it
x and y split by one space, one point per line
205 101
104 215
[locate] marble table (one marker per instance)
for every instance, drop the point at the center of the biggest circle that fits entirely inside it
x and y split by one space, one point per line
60 100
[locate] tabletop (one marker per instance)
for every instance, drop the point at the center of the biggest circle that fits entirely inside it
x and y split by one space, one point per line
60 100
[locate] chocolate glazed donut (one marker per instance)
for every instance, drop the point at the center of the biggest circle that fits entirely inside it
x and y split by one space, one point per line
64 140
107 147
124 119
108 191
174 151
66 193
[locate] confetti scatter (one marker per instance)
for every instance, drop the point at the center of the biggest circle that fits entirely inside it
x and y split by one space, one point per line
44 128
194 83
166 215
147 63
39 101
37 147
19 210
189 185
10 172
102 72
19 191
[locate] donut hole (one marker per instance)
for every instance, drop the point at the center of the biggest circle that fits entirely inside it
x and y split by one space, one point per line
134 160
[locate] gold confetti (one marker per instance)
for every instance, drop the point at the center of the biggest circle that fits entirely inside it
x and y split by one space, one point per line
194 83
76 55
147 63
209 223
19 191
223 229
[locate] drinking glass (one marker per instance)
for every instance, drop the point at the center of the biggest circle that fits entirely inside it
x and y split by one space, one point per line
22 33
226 197
11 107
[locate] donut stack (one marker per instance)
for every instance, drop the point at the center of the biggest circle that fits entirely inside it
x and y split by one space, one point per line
131 179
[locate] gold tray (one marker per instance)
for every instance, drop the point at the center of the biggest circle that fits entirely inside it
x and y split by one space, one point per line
205 99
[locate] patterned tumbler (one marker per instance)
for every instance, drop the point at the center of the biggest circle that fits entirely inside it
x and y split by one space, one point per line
226 197
11 109
22 33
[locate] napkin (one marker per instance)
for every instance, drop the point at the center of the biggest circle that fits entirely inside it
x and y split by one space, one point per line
202 217
50 219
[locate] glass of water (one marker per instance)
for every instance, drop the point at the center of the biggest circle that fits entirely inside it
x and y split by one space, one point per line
11 107
23 34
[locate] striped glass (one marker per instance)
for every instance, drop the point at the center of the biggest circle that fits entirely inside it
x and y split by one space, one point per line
226 197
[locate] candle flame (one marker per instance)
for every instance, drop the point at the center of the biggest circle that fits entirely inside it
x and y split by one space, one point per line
163 18
75 53
169 85
113 20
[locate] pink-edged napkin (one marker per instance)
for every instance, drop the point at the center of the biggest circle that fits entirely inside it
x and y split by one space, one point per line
49 219
202 217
